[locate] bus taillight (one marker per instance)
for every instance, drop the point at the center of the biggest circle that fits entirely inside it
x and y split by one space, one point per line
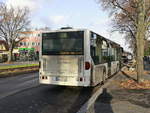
87 65
81 79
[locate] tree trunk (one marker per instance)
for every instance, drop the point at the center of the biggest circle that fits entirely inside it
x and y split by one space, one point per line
10 56
141 30
139 57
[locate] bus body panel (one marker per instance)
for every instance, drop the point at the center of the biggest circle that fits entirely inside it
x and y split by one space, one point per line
69 70
99 72
62 65
114 67
63 70
87 57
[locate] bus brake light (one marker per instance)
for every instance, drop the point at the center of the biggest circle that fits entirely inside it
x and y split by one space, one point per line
87 65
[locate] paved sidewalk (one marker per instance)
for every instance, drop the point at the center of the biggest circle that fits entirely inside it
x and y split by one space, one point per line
115 99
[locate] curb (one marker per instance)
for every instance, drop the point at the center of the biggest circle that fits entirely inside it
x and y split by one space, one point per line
88 106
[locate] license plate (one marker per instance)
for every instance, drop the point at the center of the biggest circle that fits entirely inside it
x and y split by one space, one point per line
61 79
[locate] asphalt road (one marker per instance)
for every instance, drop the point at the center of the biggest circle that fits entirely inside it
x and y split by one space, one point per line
23 94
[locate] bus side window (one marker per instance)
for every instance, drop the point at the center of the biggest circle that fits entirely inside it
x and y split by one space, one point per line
95 50
104 55
94 56
104 52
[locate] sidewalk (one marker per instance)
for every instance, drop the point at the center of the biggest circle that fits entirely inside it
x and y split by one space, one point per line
116 99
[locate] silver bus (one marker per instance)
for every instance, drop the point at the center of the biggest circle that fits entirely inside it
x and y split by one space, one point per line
77 57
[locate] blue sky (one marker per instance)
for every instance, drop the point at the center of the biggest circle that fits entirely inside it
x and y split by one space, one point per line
76 13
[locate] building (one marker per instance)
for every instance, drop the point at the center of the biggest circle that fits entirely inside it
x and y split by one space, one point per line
31 39
30 45
27 49
3 51
3 46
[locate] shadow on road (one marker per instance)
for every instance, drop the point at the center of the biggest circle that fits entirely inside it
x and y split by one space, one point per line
103 103
84 95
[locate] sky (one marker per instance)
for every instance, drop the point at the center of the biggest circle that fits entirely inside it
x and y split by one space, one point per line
75 13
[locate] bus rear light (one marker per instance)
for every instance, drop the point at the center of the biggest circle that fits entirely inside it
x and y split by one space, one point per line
81 79
87 65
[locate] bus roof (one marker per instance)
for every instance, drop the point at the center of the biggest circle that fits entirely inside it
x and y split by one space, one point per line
64 30
80 29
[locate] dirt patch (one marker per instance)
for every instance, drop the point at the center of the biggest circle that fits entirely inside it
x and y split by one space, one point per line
131 83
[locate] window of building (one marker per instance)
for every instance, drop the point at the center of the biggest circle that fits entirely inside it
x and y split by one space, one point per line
27 43
24 43
20 43
39 35
33 43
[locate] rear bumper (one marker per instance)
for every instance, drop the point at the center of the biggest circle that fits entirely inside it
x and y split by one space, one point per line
62 83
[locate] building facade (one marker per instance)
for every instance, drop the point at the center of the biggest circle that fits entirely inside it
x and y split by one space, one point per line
29 47
3 51
31 39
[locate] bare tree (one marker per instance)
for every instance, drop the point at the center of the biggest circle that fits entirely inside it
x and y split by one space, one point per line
12 22
131 17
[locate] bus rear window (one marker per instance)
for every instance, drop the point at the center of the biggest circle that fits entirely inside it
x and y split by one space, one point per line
63 43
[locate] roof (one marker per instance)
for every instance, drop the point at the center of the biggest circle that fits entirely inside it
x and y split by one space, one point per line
31 32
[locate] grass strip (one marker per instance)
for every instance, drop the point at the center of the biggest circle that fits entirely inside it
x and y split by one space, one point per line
17 66
18 71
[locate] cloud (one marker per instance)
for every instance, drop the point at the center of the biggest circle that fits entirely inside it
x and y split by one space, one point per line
101 22
31 4
101 26
35 7
58 20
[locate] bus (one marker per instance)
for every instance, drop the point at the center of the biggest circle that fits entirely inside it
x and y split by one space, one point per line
77 57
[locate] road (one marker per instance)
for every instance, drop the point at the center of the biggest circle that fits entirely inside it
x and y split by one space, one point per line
23 94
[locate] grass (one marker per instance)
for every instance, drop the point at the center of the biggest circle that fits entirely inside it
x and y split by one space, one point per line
17 66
